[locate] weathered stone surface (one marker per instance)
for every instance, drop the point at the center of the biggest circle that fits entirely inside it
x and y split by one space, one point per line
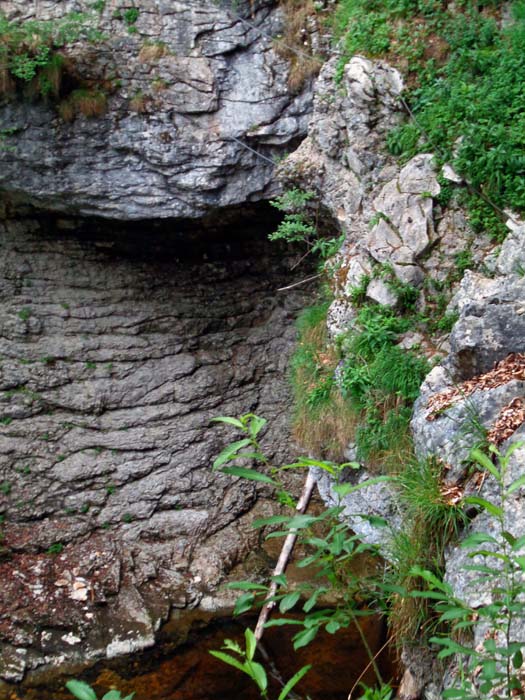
214 79
491 323
405 229
377 500
117 350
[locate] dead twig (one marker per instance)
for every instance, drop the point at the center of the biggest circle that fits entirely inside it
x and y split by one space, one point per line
284 556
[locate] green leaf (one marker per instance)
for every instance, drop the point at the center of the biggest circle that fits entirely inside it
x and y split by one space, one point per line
257 672
251 643
230 660
345 489
517 659
293 682
114 695
375 520
232 645
81 690
305 637
489 670
481 458
518 483
255 425
477 538
281 621
455 693
245 586
243 603
249 474
272 520
333 626
329 467
231 421
288 602
431 578
520 542
311 602
454 614
230 451
487 505
301 521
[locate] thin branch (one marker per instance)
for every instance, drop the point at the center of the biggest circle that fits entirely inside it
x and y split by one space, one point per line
282 562
370 663
296 284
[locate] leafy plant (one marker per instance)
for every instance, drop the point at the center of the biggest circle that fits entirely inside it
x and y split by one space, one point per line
30 51
301 224
491 668
83 691
244 661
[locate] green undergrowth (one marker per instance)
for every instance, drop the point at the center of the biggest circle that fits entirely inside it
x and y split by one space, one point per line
380 382
35 66
465 73
360 388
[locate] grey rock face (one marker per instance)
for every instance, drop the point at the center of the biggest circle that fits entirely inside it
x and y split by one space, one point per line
213 82
385 212
117 350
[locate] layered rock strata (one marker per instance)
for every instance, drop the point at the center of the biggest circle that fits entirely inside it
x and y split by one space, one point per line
117 351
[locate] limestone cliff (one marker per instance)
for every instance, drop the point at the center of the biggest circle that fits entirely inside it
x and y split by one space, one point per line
190 91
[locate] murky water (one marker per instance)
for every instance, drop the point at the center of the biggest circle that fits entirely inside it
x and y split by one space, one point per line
191 673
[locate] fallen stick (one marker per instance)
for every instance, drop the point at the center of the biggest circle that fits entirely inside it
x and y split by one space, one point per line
282 562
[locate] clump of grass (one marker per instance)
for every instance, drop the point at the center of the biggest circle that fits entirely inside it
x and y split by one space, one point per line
152 51
323 420
294 44
381 382
139 103
87 102
371 399
432 520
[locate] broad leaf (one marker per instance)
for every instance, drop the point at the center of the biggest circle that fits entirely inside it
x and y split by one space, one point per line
231 421
230 451
257 672
305 637
246 586
518 483
230 660
477 538
272 520
251 643
249 474
243 603
482 459
81 690
487 505
345 489
256 425
288 602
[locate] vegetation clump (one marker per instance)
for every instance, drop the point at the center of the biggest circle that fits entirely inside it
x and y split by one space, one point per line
31 52
465 70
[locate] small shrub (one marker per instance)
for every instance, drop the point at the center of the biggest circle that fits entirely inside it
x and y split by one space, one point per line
55 548
30 51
